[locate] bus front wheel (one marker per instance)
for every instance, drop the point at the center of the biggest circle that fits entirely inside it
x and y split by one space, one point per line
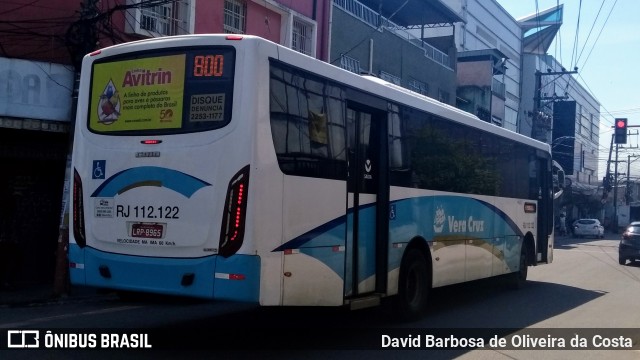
413 287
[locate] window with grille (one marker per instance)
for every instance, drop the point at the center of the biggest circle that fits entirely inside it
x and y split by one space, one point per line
235 14
302 37
157 19
172 18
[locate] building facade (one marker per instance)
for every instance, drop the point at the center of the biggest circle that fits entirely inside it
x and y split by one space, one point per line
489 28
42 47
388 39
505 76
572 117
36 85
558 109
480 84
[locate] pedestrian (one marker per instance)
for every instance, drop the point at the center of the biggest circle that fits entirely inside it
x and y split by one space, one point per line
563 223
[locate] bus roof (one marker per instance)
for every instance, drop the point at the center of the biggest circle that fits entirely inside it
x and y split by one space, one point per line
370 84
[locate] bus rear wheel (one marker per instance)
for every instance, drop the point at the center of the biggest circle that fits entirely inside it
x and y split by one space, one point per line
413 287
518 279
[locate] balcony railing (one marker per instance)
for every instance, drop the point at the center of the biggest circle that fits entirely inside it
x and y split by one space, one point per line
375 20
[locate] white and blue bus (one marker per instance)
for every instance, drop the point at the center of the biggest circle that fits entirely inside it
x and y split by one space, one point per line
229 167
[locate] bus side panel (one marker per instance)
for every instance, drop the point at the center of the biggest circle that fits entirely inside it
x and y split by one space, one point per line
510 243
268 178
150 274
315 228
469 237
76 263
237 278
266 229
483 226
406 218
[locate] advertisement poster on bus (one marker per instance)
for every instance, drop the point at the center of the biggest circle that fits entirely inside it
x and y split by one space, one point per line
139 94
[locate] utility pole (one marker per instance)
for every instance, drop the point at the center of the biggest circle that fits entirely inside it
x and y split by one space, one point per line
81 39
626 191
615 194
538 115
615 176
628 188
606 182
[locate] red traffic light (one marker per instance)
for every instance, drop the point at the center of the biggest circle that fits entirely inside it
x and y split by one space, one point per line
620 134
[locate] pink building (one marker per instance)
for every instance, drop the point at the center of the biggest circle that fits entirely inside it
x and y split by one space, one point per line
49 31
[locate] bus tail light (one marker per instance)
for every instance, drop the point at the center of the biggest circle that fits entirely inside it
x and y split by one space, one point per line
78 211
234 215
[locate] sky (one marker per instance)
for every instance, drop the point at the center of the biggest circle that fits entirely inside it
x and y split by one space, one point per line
607 34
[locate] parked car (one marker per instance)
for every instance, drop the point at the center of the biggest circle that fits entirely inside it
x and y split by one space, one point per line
588 227
629 248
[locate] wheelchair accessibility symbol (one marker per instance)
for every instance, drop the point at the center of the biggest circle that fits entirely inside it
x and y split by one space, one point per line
98 169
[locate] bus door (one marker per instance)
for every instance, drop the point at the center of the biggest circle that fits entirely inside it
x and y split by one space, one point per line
367 201
545 210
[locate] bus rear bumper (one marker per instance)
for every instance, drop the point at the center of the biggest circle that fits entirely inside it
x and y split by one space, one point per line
212 277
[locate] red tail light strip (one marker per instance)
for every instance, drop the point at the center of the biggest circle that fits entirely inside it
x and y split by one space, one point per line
78 211
234 215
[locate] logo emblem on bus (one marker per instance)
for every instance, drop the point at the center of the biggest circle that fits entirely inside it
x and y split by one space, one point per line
109 105
367 166
439 220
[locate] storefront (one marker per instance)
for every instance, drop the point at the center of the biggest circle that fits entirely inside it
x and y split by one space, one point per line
35 112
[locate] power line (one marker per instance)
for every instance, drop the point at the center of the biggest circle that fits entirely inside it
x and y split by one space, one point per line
558 43
590 30
600 33
625 111
574 52
593 93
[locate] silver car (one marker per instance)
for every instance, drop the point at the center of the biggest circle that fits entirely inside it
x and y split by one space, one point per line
588 227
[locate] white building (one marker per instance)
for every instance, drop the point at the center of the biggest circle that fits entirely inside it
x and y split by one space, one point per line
489 26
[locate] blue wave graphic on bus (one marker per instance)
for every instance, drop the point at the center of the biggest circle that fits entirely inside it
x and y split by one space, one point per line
132 178
434 218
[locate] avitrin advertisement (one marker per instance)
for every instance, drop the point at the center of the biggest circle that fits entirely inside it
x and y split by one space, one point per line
140 94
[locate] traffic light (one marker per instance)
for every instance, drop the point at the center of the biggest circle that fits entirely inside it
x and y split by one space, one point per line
621 131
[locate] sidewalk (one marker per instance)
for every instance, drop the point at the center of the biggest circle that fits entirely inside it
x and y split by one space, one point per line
33 295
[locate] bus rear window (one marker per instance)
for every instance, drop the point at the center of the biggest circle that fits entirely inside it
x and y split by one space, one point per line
167 92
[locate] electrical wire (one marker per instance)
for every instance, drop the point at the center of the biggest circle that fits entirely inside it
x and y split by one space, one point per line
574 52
591 30
600 33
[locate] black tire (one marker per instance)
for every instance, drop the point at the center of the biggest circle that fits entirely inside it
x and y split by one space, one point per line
621 260
413 286
518 279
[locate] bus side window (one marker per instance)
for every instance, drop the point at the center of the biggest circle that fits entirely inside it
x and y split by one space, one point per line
307 124
400 173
